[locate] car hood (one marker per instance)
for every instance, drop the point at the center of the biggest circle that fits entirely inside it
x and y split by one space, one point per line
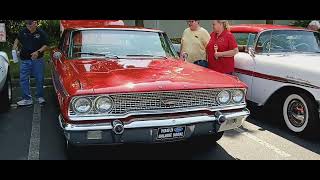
308 60
130 75
297 67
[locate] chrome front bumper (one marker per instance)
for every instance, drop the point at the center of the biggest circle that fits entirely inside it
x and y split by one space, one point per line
144 130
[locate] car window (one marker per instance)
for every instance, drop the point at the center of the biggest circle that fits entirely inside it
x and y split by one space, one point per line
290 41
241 38
263 42
120 43
244 40
65 46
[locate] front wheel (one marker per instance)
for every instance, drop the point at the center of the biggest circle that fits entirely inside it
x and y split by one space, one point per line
6 95
301 114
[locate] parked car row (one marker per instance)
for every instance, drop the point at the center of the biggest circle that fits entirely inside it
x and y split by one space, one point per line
117 84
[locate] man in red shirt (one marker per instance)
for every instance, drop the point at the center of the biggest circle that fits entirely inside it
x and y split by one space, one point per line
221 48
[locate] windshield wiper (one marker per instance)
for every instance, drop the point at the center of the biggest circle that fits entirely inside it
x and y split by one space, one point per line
99 54
145 55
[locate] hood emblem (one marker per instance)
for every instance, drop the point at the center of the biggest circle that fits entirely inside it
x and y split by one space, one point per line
169 102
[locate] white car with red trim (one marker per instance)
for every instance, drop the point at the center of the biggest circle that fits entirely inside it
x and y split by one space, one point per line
5 83
281 66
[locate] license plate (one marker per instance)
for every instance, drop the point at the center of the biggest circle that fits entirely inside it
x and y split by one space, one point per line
171 133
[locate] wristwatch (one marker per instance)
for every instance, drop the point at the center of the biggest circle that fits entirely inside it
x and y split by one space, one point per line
39 52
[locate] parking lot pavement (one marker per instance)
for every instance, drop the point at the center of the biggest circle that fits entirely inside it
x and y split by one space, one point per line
33 133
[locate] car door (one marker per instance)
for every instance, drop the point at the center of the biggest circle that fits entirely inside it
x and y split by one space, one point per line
264 80
244 61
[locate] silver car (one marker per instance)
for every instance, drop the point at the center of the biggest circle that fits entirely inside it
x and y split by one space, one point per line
5 83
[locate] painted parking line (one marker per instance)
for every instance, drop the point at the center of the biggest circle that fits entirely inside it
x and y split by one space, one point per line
263 143
34 145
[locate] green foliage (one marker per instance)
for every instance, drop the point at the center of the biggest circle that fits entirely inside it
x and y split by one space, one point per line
176 40
51 27
301 23
13 27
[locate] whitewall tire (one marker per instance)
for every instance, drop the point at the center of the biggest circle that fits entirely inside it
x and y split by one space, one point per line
300 114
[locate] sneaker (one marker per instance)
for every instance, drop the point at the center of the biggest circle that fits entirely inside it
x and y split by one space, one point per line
25 102
41 100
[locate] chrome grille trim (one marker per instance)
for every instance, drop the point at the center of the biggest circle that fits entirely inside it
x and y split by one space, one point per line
127 104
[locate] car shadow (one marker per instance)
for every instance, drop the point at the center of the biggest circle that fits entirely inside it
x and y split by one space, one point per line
273 122
188 150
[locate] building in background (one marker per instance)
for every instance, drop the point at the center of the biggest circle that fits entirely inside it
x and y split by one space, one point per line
174 28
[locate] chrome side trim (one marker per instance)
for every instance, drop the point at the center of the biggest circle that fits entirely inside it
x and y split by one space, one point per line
152 123
149 112
57 83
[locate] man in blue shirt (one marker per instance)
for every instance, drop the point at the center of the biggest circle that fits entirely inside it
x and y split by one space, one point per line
34 42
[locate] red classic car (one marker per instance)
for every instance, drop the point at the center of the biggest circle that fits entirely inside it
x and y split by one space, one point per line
117 84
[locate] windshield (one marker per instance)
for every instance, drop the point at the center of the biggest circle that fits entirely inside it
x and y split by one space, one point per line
290 41
120 43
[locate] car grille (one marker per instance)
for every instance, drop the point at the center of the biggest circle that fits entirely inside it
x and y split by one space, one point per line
153 102
125 103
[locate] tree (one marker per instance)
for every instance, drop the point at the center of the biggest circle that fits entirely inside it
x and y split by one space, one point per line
52 27
139 23
301 23
269 21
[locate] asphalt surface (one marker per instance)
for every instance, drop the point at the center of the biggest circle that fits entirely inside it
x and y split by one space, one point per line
32 133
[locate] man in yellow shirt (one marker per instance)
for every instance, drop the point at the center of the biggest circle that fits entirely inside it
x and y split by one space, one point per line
194 41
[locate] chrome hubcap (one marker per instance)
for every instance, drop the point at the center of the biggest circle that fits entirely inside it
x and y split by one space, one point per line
296 113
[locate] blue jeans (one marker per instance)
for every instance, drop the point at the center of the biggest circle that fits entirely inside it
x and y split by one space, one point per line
28 68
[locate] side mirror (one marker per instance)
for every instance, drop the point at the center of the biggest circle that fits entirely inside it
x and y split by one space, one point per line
251 51
57 55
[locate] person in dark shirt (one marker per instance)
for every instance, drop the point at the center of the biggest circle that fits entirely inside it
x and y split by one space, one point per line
34 42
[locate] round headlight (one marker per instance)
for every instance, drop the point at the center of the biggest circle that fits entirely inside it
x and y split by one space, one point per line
237 96
103 104
224 97
82 105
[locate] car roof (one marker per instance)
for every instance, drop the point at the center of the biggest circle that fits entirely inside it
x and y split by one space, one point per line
100 24
256 28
